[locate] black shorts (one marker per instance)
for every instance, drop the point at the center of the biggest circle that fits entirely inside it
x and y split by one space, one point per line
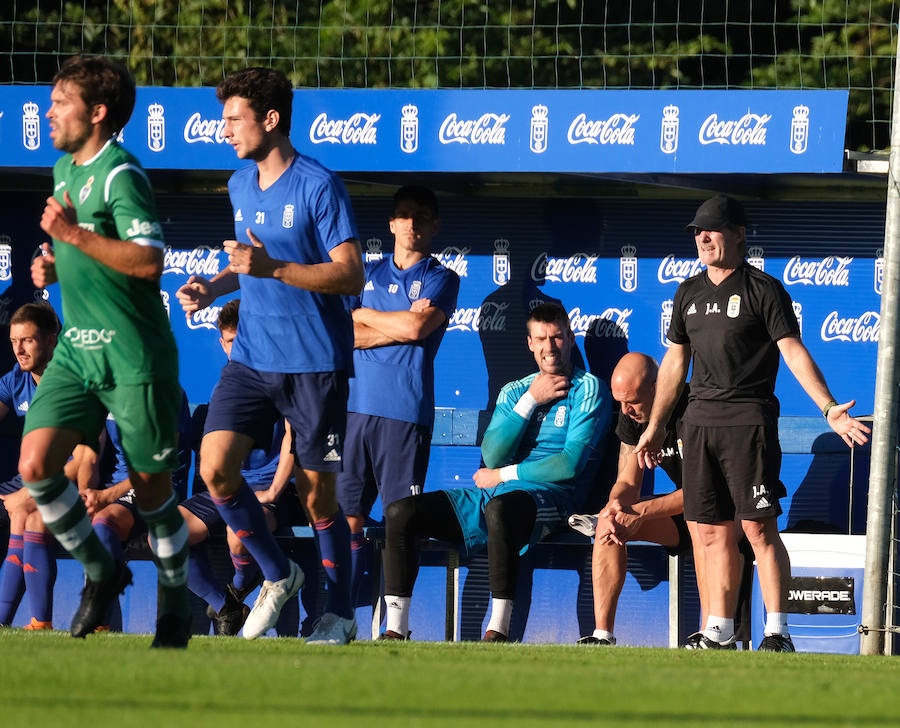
731 473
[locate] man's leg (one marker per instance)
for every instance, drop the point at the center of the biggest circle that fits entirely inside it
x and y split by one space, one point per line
12 578
699 571
608 564
358 563
168 534
40 571
722 562
113 525
317 491
510 520
774 568
407 520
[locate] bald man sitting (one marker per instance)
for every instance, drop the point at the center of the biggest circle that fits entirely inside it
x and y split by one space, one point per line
626 517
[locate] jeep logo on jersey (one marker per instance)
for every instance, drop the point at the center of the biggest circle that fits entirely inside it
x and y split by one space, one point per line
358 129
31 126
201 261
89 339
578 268
489 316
206 318
142 228
5 258
677 270
749 129
486 129
209 131
611 324
860 329
617 129
831 271
156 128
455 259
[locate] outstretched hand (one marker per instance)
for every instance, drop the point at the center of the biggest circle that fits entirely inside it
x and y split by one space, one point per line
851 430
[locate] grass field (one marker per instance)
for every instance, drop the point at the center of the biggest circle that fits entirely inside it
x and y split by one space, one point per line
50 679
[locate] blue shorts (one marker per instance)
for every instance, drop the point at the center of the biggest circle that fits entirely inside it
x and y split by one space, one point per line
249 402
12 485
553 501
287 510
384 456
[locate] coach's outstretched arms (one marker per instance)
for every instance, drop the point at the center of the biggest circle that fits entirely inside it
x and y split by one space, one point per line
808 374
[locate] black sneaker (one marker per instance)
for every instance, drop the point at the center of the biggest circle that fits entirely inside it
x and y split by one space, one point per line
699 641
591 640
776 643
390 636
172 632
494 636
231 617
96 599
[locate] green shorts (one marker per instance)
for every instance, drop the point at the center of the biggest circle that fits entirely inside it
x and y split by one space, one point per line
146 415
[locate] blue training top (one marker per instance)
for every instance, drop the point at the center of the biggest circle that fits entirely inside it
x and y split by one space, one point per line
397 381
16 390
300 218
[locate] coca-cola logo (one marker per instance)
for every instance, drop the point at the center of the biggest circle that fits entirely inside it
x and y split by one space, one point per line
205 318
861 329
455 259
677 270
749 129
198 129
831 271
486 129
611 324
489 316
358 129
202 261
617 129
578 268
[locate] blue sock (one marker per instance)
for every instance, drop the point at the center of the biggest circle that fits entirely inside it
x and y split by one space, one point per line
244 515
110 538
245 571
333 540
12 580
357 564
40 574
201 579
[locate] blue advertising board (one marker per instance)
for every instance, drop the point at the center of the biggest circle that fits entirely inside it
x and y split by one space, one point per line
389 130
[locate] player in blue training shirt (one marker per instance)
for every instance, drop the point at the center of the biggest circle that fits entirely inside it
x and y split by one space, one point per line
30 561
296 259
537 447
398 326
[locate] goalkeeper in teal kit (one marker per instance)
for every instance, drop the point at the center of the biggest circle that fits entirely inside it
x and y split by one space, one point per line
543 433
116 352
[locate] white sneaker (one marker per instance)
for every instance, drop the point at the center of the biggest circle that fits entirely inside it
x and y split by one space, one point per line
332 630
584 524
272 597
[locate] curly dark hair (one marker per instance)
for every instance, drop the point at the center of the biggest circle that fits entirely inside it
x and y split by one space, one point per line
101 81
264 89
228 315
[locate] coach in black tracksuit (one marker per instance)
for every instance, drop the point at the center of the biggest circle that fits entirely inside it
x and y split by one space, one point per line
735 320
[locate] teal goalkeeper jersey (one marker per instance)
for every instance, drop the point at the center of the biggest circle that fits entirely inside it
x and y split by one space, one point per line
555 443
115 327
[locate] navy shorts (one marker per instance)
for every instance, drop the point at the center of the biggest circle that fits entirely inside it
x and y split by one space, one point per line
12 485
249 402
384 456
731 473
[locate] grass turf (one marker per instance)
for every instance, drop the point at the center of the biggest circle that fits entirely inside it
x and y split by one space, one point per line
115 680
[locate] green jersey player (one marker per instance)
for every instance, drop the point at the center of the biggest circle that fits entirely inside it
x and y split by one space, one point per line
116 351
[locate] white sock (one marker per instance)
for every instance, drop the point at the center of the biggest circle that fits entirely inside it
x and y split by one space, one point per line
501 611
602 634
719 629
776 623
397 614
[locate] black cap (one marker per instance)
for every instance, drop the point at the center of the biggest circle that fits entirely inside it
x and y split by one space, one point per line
718 213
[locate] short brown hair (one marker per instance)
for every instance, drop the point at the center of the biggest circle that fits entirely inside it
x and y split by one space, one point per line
228 315
264 89
41 315
101 82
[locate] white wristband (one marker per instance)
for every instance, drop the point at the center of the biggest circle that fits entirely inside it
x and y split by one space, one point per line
525 406
509 472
